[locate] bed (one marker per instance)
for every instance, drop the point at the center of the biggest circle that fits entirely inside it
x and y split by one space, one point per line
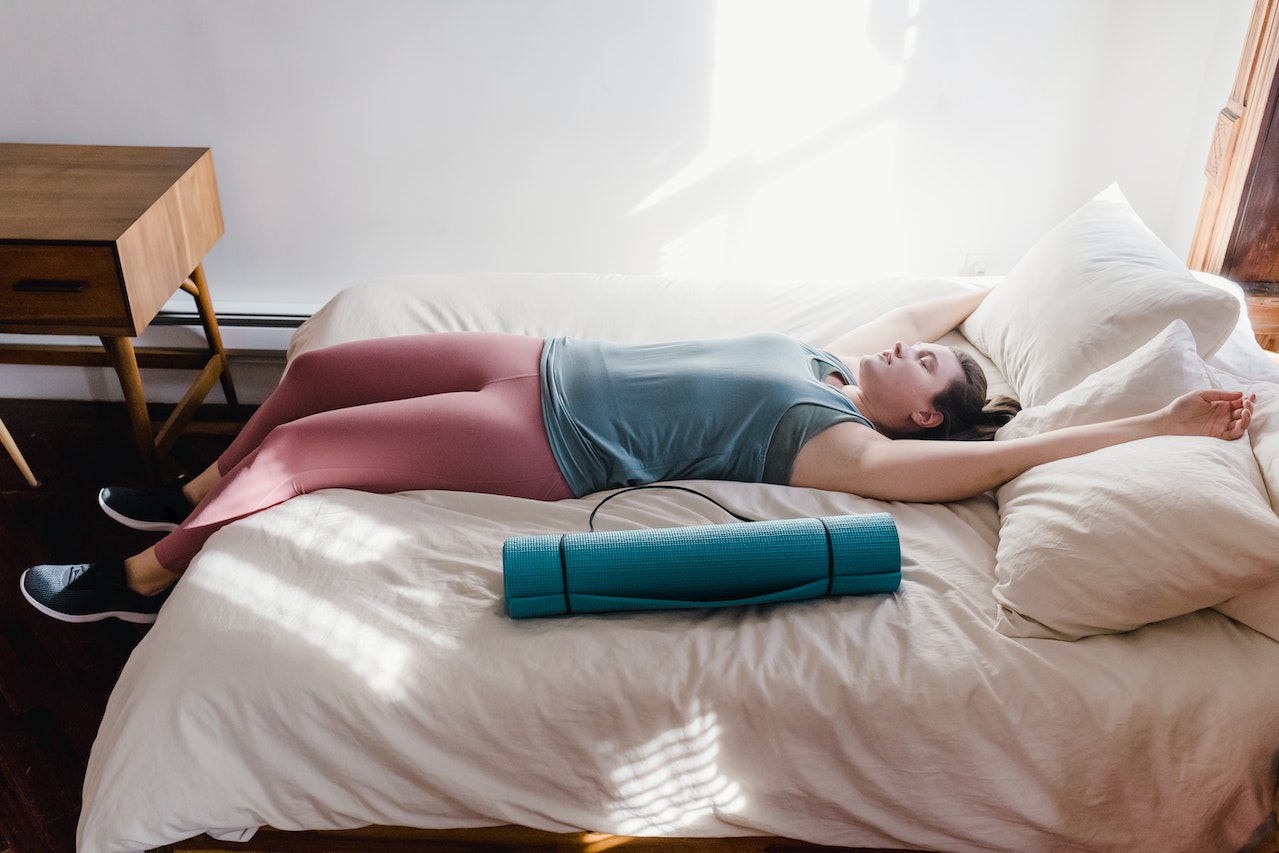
1082 660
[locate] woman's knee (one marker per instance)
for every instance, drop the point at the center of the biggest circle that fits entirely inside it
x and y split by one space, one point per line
307 367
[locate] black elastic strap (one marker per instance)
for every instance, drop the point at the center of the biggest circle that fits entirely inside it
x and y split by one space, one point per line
568 605
590 522
830 558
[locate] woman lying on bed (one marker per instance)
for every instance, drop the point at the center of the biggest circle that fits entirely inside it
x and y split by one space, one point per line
560 418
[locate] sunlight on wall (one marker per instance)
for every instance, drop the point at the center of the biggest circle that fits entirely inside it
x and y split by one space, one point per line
799 161
673 780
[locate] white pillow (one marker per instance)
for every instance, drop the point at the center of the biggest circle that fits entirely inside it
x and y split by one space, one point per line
1264 430
1087 294
1136 533
1259 608
1158 372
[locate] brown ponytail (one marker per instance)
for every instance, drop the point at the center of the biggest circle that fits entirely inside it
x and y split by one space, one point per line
966 413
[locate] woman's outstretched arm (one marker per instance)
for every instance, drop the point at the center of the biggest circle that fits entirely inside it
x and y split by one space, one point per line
923 321
849 457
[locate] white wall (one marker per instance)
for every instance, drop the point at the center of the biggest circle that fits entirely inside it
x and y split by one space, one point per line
806 138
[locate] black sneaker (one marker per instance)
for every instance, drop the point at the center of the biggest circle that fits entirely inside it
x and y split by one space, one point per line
162 508
88 592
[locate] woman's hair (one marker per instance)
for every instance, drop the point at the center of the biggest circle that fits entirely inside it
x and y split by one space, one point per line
966 413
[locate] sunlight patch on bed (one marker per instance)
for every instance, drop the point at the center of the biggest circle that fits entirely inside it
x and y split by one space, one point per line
673 780
347 534
371 654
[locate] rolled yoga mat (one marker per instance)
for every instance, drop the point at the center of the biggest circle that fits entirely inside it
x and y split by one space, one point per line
716 565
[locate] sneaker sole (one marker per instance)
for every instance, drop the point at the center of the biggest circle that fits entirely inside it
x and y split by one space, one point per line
136 524
124 616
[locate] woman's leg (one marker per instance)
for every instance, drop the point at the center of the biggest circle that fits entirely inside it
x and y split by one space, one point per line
451 411
200 485
382 369
367 371
487 438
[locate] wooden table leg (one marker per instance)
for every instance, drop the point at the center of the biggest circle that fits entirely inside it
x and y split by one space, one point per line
204 304
16 455
125 362
173 428
151 446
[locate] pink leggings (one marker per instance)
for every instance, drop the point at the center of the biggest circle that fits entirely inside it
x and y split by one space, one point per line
455 410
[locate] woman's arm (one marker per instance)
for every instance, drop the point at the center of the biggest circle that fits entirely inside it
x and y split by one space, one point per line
849 457
924 321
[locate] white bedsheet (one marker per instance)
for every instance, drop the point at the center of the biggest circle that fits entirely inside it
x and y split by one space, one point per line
343 660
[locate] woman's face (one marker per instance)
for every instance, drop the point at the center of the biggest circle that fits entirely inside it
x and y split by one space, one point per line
904 380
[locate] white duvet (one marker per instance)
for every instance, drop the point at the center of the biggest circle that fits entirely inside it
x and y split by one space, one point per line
344 660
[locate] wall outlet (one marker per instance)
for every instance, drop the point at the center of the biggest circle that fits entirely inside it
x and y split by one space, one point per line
976 263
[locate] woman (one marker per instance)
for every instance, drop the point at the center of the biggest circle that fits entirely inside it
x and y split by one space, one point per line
561 418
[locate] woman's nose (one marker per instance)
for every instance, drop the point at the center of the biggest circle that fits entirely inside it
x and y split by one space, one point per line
899 349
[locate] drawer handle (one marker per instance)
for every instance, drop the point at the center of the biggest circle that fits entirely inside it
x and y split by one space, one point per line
49 285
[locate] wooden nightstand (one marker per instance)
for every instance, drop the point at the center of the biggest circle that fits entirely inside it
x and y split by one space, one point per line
93 241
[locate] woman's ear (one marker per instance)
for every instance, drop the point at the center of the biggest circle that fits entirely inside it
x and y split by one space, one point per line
927 418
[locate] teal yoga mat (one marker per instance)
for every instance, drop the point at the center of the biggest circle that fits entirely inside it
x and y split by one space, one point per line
717 565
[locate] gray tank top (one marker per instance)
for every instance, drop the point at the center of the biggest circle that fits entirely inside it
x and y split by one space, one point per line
734 409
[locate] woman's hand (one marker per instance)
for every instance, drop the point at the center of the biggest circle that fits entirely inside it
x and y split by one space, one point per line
1217 414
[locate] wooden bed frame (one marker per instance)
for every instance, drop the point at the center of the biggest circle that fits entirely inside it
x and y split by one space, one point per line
503 839
515 839
518 839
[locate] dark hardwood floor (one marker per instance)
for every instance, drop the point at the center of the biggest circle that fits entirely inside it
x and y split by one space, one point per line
55 677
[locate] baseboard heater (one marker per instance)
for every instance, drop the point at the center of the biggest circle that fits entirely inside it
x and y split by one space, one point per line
232 319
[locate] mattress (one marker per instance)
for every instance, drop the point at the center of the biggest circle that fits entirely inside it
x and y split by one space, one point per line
345 659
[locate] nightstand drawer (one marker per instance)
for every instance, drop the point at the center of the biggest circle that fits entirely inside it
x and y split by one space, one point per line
61 289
